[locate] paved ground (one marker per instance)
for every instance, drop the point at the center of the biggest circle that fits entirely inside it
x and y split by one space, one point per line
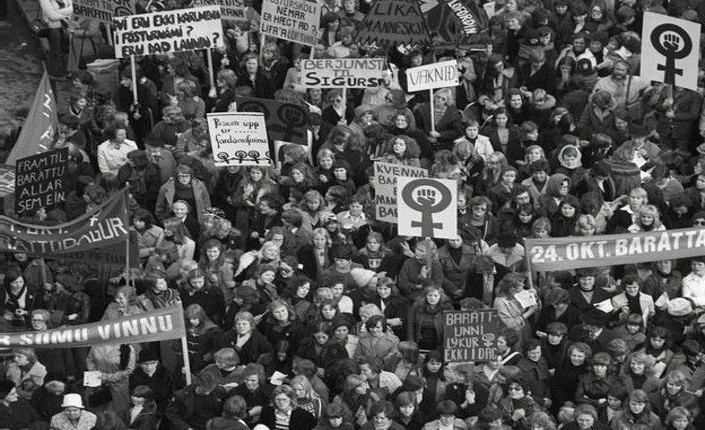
20 65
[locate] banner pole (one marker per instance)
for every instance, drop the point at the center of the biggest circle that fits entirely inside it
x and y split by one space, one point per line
133 67
127 259
311 55
209 56
429 258
187 360
433 114
261 47
109 33
345 103
43 272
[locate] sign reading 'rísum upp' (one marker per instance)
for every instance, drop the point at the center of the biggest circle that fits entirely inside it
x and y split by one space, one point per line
168 31
239 139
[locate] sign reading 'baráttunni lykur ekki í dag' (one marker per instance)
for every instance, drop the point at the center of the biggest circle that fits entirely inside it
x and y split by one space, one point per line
167 32
471 335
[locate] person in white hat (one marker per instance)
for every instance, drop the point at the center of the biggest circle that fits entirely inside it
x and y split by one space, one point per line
73 417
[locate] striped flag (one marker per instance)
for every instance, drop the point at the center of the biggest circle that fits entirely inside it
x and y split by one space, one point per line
36 136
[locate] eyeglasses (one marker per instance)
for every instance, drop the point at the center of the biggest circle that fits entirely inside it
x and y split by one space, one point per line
699 222
515 388
38 320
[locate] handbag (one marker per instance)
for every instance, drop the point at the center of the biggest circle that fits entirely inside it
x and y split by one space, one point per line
39 27
100 397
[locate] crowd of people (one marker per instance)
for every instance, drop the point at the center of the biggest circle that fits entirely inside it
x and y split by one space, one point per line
302 309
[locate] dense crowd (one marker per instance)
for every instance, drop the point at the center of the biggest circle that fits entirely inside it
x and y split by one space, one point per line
302 309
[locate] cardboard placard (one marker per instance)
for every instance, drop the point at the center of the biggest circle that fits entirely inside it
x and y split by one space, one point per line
231 10
427 207
103 10
285 121
471 336
394 22
293 20
167 31
39 180
430 76
239 139
670 48
386 175
343 72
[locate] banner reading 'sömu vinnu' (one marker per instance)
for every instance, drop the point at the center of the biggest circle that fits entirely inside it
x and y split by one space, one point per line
157 325
613 249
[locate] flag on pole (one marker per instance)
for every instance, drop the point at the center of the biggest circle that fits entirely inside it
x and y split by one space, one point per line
37 133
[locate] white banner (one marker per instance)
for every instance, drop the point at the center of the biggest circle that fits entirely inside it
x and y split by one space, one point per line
343 72
167 32
231 10
670 49
437 75
427 207
239 139
293 20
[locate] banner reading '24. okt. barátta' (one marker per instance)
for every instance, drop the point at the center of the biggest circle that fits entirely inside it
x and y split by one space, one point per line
614 249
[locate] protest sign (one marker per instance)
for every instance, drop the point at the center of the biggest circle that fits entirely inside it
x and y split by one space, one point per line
471 335
386 175
239 139
39 180
670 48
343 72
614 249
103 10
394 22
427 207
103 226
230 10
285 121
293 20
168 31
430 76
151 326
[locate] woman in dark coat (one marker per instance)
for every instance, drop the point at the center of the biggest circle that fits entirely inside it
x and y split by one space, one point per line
143 178
284 404
245 339
448 120
251 75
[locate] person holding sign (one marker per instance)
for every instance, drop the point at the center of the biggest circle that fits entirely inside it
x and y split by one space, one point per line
440 119
511 310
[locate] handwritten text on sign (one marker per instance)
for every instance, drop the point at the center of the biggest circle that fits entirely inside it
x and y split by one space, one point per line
293 20
437 75
239 139
343 72
168 31
39 180
103 10
606 250
233 10
386 175
394 22
470 335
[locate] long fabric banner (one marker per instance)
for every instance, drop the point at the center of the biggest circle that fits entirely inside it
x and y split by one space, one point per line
104 226
152 326
607 250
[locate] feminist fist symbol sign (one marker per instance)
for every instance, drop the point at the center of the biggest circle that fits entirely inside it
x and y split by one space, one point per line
676 44
428 197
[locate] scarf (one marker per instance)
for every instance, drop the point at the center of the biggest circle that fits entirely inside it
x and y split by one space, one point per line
162 299
355 401
634 304
12 302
